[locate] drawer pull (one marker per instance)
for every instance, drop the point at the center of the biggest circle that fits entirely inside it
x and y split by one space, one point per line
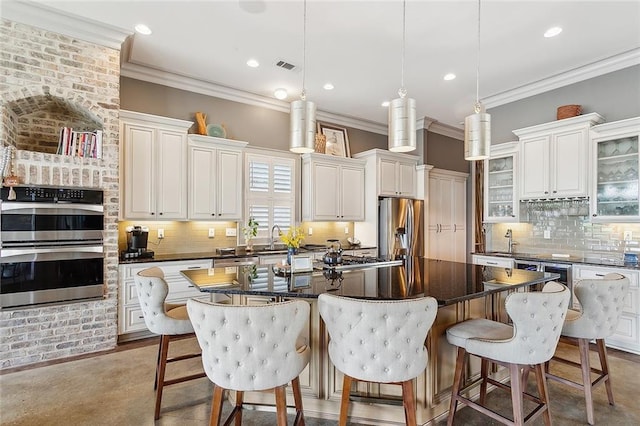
599 275
141 317
492 263
193 267
191 286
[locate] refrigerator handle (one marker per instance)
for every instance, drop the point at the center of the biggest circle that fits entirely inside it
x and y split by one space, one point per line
410 228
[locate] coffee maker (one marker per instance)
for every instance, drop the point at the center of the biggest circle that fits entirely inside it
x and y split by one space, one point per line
137 237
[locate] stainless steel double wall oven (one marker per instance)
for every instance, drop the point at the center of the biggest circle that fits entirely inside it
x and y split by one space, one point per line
51 245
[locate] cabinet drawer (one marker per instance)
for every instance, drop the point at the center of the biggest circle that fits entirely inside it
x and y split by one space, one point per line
133 320
168 268
627 335
501 262
594 272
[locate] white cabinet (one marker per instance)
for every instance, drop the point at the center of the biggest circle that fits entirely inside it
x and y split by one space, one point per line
332 188
615 193
215 178
501 262
153 166
130 318
555 158
447 237
501 202
627 335
395 173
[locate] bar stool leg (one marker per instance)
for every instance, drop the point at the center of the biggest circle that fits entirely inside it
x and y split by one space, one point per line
409 403
297 398
281 406
586 377
344 403
516 394
238 409
543 392
604 365
457 384
216 406
484 372
164 351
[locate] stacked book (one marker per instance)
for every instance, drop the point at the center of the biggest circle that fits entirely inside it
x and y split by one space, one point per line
80 144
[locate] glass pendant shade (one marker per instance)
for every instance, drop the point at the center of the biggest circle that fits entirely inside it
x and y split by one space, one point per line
402 125
477 136
302 127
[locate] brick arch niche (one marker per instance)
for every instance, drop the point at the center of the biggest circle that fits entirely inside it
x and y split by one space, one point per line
37 121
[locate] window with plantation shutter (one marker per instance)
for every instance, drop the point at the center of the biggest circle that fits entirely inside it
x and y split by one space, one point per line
270 192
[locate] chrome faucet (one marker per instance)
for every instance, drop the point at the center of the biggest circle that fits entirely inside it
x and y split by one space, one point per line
271 241
511 243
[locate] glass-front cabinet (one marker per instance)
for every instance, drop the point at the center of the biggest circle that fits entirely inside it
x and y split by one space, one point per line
616 193
500 183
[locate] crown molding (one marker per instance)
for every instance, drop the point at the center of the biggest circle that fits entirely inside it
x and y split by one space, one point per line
47 18
434 126
605 66
182 82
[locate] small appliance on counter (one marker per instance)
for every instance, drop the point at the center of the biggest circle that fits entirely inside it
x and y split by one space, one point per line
137 237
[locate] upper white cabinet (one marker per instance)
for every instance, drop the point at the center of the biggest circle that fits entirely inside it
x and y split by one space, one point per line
501 203
616 161
395 173
332 188
153 166
555 158
215 178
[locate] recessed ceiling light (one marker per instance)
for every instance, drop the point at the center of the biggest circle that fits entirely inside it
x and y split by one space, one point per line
449 76
552 32
142 29
385 104
280 94
253 63
328 86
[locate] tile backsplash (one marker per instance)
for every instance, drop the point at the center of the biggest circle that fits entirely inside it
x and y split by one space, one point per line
569 230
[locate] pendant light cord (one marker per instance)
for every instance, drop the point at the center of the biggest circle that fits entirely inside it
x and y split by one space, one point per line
477 106
303 95
403 92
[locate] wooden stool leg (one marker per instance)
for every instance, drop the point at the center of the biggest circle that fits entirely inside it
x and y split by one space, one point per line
344 403
239 402
409 402
543 392
586 377
484 372
457 384
281 406
162 366
604 366
297 398
516 394
216 406
155 383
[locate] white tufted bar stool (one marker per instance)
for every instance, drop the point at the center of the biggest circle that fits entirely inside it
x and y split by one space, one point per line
167 320
537 321
378 341
601 301
252 348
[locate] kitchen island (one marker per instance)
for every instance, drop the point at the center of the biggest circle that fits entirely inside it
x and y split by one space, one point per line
462 290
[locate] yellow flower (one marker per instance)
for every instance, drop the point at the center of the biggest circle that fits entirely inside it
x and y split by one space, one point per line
293 237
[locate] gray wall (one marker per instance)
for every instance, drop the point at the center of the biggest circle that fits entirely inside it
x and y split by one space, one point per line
445 152
615 96
259 126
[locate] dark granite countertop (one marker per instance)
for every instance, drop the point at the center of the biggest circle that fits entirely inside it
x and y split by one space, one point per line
595 260
239 253
447 282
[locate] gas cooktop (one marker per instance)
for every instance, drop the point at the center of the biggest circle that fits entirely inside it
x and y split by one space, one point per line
349 261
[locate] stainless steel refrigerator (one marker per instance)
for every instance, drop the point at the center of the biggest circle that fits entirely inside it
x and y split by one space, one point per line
400 227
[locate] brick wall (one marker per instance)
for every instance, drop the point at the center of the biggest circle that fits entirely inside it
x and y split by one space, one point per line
40 67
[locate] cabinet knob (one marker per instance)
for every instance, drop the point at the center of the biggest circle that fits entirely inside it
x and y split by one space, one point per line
152 213
546 192
554 191
213 214
594 215
160 214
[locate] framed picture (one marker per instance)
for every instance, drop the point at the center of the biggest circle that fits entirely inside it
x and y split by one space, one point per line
337 141
301 263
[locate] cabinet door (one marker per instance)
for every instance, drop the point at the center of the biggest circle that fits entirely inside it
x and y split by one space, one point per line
569 164
459 207
171 177
325 183
229 188
500 183
387 178
138 172
535 168
202 183
352 194
407 179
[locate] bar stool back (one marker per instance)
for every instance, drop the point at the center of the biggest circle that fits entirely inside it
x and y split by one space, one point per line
537 321
602 302
252 348
167 320
378 341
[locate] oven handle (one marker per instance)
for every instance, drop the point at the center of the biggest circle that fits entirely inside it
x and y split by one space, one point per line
50 209
47 254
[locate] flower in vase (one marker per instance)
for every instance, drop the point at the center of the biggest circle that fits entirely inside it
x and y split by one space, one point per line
293 237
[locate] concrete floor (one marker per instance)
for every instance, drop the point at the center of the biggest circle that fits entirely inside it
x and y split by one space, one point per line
117 389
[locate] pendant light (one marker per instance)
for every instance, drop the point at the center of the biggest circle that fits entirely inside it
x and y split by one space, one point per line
402 111
303 112
477 126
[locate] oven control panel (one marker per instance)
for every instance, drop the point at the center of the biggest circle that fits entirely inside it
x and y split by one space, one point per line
37 194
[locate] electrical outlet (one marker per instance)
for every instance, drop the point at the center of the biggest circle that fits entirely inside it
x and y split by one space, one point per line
212 232
346 230
628 235
231 232
547 234
310 231
160 233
